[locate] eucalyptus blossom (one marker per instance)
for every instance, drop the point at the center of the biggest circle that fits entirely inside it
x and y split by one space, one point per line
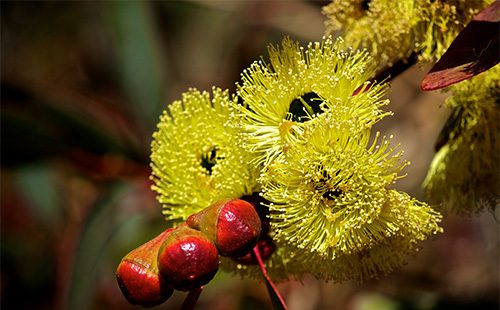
283 96
464 176
196 158
393 30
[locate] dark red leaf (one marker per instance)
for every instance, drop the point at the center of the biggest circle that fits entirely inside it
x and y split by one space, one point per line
474 50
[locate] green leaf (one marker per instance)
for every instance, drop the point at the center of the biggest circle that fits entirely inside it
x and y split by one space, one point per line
103 229
140 60
35 127
38 185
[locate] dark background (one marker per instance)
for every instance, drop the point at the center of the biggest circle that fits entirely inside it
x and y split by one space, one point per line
82 88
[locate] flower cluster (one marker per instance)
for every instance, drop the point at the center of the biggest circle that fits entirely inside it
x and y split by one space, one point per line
302 139
392 30
464 175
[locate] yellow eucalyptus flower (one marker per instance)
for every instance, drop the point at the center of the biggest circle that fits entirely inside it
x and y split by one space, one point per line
196 157
464 176
416 222
329 193
299 84
392 30
382 26
332 215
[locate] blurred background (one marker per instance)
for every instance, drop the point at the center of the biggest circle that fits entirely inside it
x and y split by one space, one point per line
82 88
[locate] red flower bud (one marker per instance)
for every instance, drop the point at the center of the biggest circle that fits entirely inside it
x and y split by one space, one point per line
188 259
233 225
138 277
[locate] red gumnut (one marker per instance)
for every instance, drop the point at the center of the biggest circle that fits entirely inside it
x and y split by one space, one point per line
138 276
188 259
233 225
266 248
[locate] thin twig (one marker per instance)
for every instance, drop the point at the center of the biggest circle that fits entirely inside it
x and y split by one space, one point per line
256 253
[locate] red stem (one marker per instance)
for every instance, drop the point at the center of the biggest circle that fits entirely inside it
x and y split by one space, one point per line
191 299
256 253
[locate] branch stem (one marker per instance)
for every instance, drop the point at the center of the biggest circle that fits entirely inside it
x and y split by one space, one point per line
191 299
269 282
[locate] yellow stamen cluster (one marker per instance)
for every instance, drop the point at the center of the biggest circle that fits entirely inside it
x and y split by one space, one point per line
322 70
382 26
464 176
392 30
196 157
330 199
